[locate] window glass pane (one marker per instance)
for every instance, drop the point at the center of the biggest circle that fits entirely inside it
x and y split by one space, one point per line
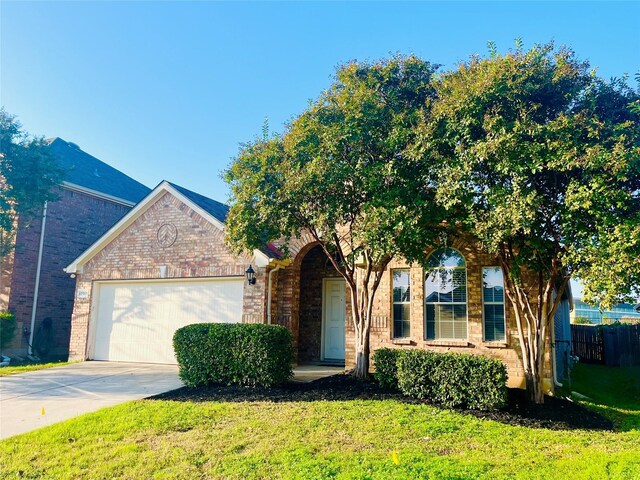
431 322
445 257
493 296
499 327
446 296
401 288
401 305
443 286
459 285
492 284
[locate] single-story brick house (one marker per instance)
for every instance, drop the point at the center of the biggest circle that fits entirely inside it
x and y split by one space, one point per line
165 265
33 285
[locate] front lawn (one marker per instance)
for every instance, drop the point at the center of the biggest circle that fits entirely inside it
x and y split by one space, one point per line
30 367
613 391
196 437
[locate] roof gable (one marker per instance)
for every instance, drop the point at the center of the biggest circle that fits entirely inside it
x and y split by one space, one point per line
84 170
216 209
142 206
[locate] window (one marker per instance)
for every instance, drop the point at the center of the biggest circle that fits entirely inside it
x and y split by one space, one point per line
401 303
493 304
446 296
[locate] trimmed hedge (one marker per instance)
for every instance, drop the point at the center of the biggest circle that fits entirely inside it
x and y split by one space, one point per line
8 327
385 361
452 380
241 354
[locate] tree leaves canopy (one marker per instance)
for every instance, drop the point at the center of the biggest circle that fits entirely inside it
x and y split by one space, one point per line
28 175
543 158
340 170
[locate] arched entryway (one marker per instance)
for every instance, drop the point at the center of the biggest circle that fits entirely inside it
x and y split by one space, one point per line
321 310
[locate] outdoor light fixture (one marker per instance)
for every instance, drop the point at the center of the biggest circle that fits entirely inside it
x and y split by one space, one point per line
251 275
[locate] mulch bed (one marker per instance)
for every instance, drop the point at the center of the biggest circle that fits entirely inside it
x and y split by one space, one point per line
555 414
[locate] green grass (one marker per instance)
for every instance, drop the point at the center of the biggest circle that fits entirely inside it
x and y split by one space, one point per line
325 439
613 391
310 440
13 370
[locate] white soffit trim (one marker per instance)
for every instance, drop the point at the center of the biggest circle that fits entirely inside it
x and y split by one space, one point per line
129 218
261 259
94 193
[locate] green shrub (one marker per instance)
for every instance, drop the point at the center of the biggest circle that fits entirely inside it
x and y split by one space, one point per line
240 354
453 380
582 321
8 327
385 362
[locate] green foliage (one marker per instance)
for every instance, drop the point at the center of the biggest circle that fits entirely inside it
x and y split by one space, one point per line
540 161
453 380
543 159
340 168
8 327
241 354
28 176
385 361
341 174
582 321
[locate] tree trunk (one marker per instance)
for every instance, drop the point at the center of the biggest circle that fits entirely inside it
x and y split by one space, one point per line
534 323
361 370
363 281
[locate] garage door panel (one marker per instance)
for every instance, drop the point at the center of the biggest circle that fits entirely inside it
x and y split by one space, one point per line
136 321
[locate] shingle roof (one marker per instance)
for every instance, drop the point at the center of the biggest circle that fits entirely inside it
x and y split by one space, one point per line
220 211
87 171
217 209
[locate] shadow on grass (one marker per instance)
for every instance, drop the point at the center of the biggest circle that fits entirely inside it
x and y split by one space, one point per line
614 392
554 414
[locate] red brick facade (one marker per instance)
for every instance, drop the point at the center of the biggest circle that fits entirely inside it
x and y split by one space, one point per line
73 223
298 306
198 252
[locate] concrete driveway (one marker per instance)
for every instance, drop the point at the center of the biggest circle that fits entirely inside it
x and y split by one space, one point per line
35 399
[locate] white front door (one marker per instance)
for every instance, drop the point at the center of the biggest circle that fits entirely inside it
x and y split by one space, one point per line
333 312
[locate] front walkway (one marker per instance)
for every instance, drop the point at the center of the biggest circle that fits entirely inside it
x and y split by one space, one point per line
35 399
309 373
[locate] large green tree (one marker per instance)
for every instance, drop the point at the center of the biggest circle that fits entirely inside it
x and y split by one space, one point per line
28 175
543 158
340 173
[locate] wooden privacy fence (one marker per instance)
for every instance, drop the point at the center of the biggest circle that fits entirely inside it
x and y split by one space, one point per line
607 345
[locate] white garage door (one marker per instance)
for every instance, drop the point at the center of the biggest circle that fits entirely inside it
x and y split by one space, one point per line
135 321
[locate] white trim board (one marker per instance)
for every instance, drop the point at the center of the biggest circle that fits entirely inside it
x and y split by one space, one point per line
164 187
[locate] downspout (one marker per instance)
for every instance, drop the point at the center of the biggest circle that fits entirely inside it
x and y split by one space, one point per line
553 354
278 267
37 286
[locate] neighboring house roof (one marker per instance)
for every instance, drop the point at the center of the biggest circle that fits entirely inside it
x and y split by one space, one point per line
197 202
86 171
217 209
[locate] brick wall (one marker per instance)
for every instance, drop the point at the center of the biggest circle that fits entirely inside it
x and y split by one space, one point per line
6 270
508 352
298 302
73 223
198 251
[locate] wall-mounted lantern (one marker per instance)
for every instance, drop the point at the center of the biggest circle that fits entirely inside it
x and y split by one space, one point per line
251 275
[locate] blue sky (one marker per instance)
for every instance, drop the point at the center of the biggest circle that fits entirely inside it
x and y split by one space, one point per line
169 90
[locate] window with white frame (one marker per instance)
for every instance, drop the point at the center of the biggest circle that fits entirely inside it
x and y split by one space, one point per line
446 296
493 304
401 303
